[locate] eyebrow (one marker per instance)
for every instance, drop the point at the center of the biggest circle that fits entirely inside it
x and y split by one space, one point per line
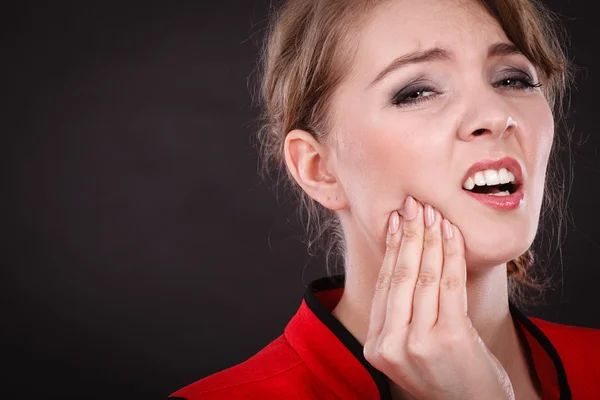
503 49
438 54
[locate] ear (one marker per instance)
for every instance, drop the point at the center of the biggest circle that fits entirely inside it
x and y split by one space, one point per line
306 159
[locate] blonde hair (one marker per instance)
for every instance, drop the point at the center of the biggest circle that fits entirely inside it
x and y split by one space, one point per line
307 52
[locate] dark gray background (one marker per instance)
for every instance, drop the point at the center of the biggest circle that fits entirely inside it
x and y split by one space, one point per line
143 251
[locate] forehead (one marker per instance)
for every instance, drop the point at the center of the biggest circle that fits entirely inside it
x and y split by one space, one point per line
397 27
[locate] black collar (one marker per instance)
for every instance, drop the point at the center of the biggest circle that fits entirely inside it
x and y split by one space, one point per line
350 342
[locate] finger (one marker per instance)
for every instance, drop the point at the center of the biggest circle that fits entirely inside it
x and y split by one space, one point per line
404 276
427 289
379 304
453 289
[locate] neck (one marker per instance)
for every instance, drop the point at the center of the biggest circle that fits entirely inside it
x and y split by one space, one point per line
487 296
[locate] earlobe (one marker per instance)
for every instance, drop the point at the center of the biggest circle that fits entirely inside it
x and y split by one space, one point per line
306 159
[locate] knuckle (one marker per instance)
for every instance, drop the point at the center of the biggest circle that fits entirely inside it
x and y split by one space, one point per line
451 282
369 351
411 234
389 349
400 275
383 281
432 239
452 252
427 278
417 348
392 242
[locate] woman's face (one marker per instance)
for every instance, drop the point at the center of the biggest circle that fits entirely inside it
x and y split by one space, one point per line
459 94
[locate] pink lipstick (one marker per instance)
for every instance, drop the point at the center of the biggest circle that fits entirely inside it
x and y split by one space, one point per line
495 183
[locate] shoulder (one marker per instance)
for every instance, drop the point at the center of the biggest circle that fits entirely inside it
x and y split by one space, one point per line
579 352
269 374
569 336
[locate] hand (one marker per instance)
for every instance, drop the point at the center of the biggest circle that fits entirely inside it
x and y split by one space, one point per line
420 335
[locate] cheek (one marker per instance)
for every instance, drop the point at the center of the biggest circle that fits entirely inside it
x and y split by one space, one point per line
537 145
545 145
379 166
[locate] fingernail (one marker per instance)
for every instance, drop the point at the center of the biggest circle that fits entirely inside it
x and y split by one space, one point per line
447 229
394 223
429 215
410 208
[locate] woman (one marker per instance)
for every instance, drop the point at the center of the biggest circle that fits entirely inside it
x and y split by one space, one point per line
418 132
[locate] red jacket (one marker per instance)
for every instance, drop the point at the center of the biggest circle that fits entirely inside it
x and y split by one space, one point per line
317 358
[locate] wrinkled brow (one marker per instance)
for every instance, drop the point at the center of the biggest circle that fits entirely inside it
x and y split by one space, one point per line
415 57
438 54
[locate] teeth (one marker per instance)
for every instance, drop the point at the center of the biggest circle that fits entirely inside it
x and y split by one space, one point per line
504 177
479 179
489 177
505 193
469 184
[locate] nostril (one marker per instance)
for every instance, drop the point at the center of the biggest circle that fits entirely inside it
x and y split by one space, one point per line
478 132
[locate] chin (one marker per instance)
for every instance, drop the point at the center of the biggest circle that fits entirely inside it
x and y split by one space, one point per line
490 246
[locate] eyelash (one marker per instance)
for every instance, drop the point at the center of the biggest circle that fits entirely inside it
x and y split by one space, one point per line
403 97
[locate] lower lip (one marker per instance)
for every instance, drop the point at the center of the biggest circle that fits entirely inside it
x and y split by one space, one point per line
504 203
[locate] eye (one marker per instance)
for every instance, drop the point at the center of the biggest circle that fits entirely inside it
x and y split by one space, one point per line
518 81
412 95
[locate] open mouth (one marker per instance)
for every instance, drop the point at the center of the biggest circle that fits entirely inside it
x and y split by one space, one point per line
498 184
505 189
501 182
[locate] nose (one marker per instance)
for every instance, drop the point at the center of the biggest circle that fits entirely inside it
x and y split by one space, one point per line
488 118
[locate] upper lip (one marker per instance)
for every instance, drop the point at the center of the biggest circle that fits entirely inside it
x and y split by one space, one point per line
509 163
